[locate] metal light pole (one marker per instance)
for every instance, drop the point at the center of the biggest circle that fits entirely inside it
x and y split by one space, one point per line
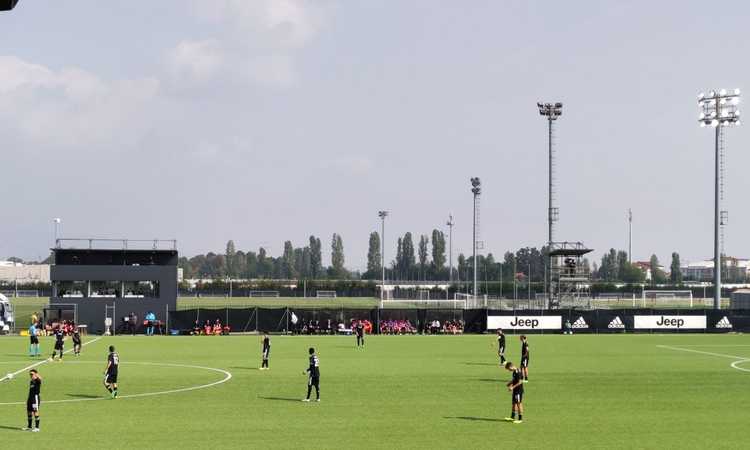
630 236
382 215
476 189
718 110
450 248
551 111
56 221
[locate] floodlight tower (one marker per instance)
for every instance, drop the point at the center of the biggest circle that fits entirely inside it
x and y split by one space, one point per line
551 111
57 222
476 189
450 224
382 215
630 235
718 110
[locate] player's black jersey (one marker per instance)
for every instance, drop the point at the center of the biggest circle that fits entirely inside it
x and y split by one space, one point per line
314 369
360 329
266 344
501 341
77 337
525 349
59 336
114 362
35 388
518 381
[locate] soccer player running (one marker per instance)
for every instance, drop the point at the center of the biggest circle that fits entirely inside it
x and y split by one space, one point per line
34 337
313 376
77 342
515 386
110 373
34 401
525 358
501 345
266 351
59 343
359 330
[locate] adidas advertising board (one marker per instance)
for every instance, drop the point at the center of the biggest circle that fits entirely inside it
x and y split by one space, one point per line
669 322
724 323
616 324
524 322
580 323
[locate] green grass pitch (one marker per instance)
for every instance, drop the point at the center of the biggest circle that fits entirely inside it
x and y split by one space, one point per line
585 391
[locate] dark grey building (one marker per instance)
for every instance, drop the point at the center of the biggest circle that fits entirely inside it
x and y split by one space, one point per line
94 279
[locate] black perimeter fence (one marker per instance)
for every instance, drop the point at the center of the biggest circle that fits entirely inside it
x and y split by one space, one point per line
281 320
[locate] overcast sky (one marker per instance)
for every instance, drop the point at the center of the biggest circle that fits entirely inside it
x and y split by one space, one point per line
262 121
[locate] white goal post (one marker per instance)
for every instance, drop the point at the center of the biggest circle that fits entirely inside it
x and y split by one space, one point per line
472 301
325 294
406 303
655 294
264 293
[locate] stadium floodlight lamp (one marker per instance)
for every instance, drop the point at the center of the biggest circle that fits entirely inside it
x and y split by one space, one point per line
701 95
718 110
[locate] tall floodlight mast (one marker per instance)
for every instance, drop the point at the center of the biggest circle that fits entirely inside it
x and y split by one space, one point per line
476 189
718 110
551 111
382 215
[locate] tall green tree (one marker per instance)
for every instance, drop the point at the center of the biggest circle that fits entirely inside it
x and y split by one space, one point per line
622 265
288 262
316 258
657 275
407 254
265 267
229 255
675 275
423 252
463 267
374 266
337 257
438 253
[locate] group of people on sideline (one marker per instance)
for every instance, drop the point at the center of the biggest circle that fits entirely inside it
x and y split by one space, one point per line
210 329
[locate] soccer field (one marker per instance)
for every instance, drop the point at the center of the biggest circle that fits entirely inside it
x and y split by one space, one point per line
585 391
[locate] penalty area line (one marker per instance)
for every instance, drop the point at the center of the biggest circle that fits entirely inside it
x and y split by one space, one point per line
46 360
734 365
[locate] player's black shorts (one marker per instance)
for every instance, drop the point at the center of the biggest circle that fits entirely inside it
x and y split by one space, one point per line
34 340
501 350
266 353
517 397
58 346
33 404
525 361
76 342
313 381
111 377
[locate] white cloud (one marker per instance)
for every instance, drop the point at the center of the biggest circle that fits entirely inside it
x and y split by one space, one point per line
195 61
70 106
255 41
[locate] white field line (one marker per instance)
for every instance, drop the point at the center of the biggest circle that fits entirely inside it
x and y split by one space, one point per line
227 377
39 363
734 365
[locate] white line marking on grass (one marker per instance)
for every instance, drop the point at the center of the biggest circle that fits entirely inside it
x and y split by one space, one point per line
733 365
39 363
227 377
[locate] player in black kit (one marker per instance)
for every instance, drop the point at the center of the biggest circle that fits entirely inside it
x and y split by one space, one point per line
266 351
359 330
76 342
110 373
59 343
525 358
313 376
34 401
515 385
501 346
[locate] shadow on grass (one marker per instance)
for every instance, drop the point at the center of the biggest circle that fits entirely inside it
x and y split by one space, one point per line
475 419
481 364
283 399
6 427
83 396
